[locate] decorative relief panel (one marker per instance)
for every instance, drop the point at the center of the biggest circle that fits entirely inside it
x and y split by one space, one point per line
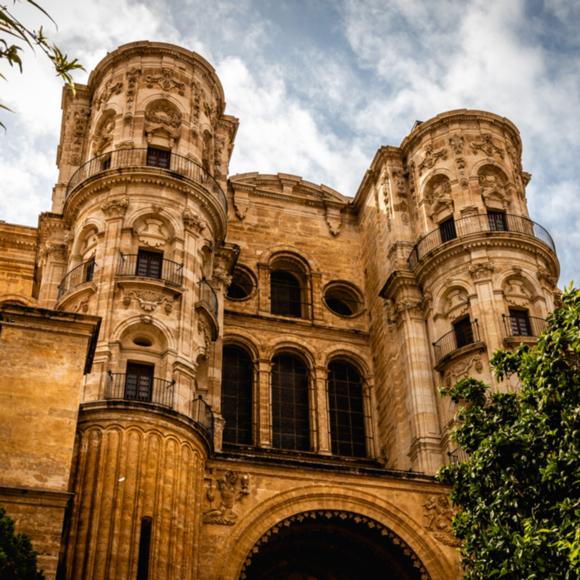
487 146
104 133
149 301
152 232
438 514
494 187
482 271
431 157
223 493
110 89
116 207
166 80
462 369
438 196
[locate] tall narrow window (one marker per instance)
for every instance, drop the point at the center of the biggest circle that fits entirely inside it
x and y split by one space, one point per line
89 270
497 221
149 264
463 332
346 409
447 230
158 157
520 322
285 294
139 381
237 374
144 549
290 408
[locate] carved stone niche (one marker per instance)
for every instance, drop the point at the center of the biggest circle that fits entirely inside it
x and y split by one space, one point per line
152 231
437 197
454 304
162 123
494 187
103 137
518 291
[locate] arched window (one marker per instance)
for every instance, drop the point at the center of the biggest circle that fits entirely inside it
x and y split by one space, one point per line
346 409
285 294
237 378
290 408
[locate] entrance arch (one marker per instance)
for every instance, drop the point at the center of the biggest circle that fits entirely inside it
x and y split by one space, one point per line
331 545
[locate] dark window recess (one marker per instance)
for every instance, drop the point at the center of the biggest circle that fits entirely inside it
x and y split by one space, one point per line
237 379
89 270
463 332
106 163
346 409
520 322
241 286
285 294
290 408
497 221
149 264
447 230
158 157
144 549
139 381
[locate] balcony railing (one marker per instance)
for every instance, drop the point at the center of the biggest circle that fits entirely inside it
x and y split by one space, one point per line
475 224
517 326
82 273
132 158
155 390
202 414
454 340
208 295
170 272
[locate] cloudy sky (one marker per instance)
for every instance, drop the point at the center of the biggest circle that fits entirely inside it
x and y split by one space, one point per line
319 85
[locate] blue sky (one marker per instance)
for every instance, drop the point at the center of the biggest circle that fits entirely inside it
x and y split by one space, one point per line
319 85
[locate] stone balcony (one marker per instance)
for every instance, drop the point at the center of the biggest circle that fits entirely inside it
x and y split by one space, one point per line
126 160
487 224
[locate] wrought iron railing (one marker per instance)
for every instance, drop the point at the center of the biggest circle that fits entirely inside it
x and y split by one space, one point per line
80 274
524 325
456 339
202 414
480 223
457 456
170 272
131 158
154 390
208 295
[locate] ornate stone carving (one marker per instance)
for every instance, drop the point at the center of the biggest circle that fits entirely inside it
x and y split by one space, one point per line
461 369
166 80
241 201
225 491
149 301
151 232
116 207
437 515
110 89
162 117
192 221
517 292
457 143
482 270
400 183
80 118
456 303
133 75
104 133
205 335
56 250
333 217
487 146
438 196
493 187
431 157
544 276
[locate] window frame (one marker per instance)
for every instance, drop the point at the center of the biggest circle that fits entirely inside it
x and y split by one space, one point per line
158 157
520 320
497 221
292 306
139 391
463 331
448 230
150 260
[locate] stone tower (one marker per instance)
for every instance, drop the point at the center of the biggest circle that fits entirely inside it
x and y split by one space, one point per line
137 237
237 376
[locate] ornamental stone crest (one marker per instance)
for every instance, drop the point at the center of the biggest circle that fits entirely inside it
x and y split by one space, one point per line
192 221
482 271
431 157
166 80
108 91
163 113
149 301
224 493
116 207
437 516
487 146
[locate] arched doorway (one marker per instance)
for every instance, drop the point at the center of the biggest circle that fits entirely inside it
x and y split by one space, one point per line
331 545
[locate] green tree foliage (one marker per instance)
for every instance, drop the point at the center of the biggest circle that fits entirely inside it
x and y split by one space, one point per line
14 34
518 495
17 558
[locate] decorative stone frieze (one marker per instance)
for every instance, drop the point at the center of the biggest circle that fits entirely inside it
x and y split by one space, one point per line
431 157
165 79
225 492
438 514
487 146
148 301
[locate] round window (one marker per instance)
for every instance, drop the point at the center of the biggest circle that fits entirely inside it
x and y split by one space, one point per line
242 285
342 300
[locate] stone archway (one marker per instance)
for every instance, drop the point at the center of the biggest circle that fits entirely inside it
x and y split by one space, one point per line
331 545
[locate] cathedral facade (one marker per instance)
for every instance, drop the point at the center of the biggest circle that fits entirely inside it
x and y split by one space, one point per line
210 376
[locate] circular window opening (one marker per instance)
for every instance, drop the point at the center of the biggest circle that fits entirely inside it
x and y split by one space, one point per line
142 341
242 285
342 300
